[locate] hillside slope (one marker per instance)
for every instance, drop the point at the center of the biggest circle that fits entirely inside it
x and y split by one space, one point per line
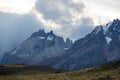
109 71
16 69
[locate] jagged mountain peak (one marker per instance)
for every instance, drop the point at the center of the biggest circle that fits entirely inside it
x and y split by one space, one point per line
41 45
68 40
113 26
51 32
110 30
41 32
116 20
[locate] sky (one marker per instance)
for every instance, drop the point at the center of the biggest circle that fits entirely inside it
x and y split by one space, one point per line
67 18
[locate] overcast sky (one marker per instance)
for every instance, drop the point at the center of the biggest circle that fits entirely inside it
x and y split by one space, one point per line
68 18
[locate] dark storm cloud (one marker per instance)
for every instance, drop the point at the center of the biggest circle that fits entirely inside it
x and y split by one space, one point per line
15 28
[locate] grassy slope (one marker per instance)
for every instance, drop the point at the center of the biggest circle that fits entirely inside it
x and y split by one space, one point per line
110 71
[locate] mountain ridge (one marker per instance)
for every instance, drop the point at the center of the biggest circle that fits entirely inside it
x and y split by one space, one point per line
98 47
39 44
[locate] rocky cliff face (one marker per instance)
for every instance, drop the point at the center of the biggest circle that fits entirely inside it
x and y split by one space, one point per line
38 47
86 52
112 36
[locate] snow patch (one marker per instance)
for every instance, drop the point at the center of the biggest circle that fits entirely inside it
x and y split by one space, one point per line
109 24
41 37
105 28
13 52
50 38
66 48
108 39
23 55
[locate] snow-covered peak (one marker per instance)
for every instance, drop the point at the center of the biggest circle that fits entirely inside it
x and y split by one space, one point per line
112 29
115 25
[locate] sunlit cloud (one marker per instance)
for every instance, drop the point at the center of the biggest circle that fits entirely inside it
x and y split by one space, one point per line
47 23
64 16
102 11
17 6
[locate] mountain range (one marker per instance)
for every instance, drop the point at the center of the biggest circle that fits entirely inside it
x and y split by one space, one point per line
39 46
100 46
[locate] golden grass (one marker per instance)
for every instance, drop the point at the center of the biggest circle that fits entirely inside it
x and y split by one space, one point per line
87 74
109 71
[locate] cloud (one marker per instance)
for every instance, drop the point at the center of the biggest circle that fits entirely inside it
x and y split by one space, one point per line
84 27
17 6
58 9
102 11
67 14
64 17
15 28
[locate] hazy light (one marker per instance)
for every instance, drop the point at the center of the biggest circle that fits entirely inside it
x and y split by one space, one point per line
48 23
102 11
17 6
